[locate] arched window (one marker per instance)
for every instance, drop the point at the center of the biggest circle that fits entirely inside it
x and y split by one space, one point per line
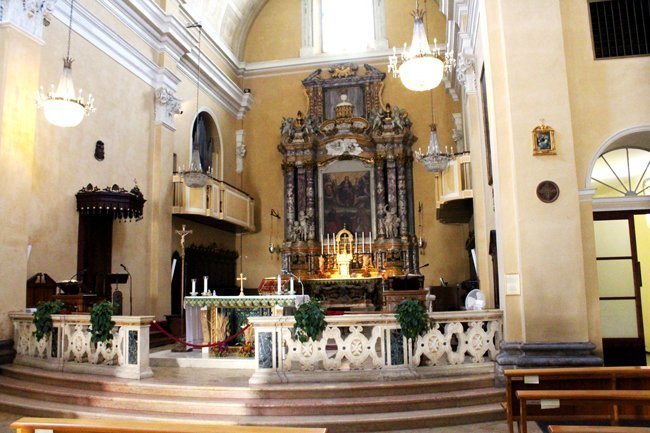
623 172
347 26
338 26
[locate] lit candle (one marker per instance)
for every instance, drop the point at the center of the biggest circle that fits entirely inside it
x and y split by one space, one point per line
205 284
279 285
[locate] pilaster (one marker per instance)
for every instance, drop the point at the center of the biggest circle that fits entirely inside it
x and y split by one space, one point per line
20 57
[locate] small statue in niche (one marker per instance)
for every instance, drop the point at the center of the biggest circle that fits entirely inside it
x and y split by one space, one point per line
304 225
390 221
287 129
295 232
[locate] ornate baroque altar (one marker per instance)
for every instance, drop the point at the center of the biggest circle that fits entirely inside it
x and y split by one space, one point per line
348 165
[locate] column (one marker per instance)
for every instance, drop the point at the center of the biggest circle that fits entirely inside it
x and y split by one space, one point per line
310 212
301 192
20 63
531 232
402 205
380 199
290 201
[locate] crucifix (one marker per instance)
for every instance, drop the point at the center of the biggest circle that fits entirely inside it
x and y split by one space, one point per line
182 233
241 280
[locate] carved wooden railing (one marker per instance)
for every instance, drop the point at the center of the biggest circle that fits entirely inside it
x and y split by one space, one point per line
370 344
69 346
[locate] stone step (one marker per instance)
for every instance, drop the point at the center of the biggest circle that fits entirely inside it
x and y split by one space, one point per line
259 406
287 391
334 423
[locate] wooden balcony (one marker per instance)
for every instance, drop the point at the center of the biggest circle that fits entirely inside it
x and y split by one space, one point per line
217 204
454 195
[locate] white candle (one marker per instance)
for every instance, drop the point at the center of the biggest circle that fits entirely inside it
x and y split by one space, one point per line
279 285
193 286
322 246
291 286
370 241
363 242
205 284
356 243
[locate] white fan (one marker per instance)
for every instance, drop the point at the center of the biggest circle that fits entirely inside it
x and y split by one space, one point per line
475 300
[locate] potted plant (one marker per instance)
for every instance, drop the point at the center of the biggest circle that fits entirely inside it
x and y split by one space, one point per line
101 325
43 318
413 318
310 321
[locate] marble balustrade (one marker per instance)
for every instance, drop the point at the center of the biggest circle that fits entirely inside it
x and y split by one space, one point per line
69 347
364 346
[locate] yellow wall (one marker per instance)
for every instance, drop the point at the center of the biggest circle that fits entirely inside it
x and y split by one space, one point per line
642 228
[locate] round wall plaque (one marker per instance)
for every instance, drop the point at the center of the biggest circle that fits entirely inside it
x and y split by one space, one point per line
548 191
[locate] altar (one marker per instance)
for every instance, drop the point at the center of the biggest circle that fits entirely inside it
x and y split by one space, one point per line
361 293
204 323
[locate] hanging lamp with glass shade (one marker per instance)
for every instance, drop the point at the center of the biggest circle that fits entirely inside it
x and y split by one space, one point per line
419 67
435 160
62 106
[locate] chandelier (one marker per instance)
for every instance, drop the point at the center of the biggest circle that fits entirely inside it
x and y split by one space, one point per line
61 105
195 177
419 67
434 160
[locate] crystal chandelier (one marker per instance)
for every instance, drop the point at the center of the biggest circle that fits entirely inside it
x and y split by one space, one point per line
62 106
195 177
420 68
434 160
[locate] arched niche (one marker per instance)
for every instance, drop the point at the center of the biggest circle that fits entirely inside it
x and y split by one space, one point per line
206 144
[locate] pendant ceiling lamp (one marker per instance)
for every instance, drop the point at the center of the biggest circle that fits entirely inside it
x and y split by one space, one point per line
62 106
419 67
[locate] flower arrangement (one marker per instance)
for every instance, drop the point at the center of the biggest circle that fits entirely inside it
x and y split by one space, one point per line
220 350
247 350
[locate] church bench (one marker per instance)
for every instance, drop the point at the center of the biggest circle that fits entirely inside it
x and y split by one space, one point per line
569 378
611 398
62 425
595 429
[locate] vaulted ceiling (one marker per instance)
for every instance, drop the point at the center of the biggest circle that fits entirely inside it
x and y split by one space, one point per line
229 19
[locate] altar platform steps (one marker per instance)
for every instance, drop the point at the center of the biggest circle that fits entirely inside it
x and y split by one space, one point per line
344 407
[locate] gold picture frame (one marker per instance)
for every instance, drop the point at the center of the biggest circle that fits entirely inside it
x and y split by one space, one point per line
544 140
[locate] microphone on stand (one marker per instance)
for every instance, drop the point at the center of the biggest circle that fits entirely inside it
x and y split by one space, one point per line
130 289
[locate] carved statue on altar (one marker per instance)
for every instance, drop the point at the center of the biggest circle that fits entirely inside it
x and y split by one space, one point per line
390 223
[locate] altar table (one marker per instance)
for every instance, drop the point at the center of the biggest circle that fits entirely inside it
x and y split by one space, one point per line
352 293
193 305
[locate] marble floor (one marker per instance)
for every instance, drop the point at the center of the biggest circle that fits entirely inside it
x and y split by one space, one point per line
489 427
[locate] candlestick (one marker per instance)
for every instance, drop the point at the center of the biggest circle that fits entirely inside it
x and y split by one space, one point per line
279 285
193 287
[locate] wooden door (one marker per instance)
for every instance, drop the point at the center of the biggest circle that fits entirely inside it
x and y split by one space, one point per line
619 284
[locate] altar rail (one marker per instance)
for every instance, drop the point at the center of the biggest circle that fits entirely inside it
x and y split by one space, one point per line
69 347
363 346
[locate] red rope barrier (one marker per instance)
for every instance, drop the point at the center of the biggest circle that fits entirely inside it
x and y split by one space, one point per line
218 343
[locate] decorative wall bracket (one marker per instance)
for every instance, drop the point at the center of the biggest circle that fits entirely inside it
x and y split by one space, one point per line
29 15
166 106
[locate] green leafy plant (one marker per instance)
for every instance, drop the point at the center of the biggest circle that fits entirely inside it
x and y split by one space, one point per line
43 317
412 318
310 321
101 325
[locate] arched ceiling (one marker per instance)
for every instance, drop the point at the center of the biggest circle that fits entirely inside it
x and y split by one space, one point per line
230 20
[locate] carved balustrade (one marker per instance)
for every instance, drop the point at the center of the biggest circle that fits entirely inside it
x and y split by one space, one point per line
69 347
363 346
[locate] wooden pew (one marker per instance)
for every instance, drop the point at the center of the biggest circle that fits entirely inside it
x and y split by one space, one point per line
61 425
595 429
612 398
570 378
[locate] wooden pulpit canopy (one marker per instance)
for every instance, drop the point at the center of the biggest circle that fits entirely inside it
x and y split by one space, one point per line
114 201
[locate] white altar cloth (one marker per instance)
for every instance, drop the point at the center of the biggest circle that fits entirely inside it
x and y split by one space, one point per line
194 304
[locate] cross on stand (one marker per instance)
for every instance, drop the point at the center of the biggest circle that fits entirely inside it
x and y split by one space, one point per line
241 280
180 347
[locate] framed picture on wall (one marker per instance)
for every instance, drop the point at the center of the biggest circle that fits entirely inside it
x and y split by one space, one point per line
543 140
